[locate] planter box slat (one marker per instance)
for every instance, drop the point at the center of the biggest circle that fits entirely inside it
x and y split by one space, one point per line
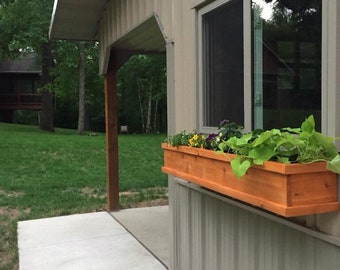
284 189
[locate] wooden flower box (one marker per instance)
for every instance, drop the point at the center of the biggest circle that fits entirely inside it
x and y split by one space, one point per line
285 189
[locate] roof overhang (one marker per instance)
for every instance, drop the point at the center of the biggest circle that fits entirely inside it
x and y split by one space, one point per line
76 19
148 36
80 19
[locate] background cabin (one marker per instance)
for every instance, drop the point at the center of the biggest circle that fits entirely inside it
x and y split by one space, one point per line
19 81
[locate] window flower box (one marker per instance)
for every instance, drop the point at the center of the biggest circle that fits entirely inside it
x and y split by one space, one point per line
284 189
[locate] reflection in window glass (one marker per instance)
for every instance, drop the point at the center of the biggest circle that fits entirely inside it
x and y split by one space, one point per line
286 62
222 52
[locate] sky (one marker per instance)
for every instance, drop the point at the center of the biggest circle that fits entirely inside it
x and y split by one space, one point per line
267 9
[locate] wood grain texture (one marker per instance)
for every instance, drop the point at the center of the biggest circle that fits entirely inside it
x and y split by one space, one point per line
284 189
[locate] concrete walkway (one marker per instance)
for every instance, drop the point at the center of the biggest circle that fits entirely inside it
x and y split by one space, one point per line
150 225
96 241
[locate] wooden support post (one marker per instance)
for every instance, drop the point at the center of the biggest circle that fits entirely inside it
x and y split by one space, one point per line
111 111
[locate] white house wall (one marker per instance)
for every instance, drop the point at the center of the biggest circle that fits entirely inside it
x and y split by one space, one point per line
185 67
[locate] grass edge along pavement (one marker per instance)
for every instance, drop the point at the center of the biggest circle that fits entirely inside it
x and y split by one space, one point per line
51 174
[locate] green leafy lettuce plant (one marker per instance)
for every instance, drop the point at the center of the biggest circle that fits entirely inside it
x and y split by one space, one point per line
288 145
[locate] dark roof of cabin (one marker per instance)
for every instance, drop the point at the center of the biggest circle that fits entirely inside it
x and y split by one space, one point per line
25 64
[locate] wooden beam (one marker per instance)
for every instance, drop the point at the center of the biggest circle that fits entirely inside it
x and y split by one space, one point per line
117 59
111 111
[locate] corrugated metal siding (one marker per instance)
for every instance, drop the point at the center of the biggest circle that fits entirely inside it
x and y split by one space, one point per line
186 67
210 233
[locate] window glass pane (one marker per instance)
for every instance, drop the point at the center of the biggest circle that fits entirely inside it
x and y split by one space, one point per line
286 62
222 45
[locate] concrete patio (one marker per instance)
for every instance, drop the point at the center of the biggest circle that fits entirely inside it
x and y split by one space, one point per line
129 239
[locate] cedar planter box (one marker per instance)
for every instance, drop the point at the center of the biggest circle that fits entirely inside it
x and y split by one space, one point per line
285 189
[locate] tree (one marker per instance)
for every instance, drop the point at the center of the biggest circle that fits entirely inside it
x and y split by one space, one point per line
142 80
81 87
78 90
24 29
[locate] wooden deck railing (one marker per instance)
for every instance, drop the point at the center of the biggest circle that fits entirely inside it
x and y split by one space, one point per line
20 101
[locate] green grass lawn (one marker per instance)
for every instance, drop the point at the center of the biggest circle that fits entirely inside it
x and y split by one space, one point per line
50 174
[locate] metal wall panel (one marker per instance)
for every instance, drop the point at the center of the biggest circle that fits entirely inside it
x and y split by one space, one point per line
214 232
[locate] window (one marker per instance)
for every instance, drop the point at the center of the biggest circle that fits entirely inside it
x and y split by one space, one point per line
25 85
286 62
222 70
260 63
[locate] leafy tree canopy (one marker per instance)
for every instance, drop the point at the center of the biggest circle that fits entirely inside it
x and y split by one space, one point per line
24 26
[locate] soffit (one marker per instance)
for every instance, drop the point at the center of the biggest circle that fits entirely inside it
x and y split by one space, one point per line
76 19
146 37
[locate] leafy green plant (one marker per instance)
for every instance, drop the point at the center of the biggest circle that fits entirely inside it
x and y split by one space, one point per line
226 130
229 129
181 138
301 145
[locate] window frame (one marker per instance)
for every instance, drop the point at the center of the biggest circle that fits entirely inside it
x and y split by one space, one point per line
330 102
247 90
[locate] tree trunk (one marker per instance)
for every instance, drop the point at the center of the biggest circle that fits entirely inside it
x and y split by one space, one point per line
81 101
47 110
155 115
148 118
141 104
